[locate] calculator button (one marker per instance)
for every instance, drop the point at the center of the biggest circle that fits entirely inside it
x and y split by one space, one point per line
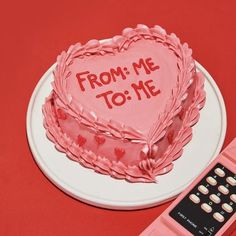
227 207
215 198
206 208
203 189
231 181
211 181
194 198
219 172
233 197
223 189
218 217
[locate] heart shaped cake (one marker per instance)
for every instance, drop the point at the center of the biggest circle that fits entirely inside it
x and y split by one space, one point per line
125 106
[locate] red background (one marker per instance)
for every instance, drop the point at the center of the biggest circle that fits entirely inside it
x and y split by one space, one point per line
33 33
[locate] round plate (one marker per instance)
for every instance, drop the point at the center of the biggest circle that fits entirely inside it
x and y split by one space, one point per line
104 191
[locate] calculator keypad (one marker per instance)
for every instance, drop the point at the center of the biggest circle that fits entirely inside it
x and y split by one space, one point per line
218 217
233 197
227 207
223 189
220 172
205 207
231 181
210 180
215 198
203 189
210 204
194 198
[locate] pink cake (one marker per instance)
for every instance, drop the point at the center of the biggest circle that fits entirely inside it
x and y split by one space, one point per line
125 106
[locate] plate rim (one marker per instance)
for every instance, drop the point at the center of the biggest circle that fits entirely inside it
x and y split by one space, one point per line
111 204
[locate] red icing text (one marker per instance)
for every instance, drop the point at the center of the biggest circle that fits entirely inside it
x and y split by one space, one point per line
145 87
103 78
147 65
140 89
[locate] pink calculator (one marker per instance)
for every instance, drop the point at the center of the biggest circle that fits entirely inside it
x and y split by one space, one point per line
207 206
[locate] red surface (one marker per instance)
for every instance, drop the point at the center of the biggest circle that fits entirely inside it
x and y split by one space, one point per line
33 33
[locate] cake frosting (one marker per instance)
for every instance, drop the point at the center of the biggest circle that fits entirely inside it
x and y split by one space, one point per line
125 106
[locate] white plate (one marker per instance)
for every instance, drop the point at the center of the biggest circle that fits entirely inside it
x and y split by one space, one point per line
103 191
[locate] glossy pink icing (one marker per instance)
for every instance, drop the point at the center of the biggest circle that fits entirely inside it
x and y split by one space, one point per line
139 139
140 49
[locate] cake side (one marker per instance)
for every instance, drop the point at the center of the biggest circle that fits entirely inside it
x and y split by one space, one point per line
146 170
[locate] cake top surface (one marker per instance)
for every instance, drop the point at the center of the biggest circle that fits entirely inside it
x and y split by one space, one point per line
130 81
130 86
